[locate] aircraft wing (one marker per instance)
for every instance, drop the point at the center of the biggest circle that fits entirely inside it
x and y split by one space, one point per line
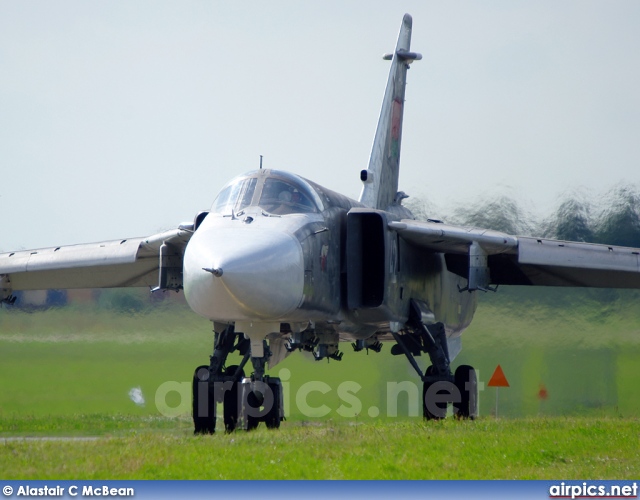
518 260
107 264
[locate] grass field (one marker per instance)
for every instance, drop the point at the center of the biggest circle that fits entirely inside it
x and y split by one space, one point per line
143 448
68 372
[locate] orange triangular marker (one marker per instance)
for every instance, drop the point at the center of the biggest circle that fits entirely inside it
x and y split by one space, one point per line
498 379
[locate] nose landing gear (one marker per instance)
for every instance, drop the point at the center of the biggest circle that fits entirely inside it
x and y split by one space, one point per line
246 401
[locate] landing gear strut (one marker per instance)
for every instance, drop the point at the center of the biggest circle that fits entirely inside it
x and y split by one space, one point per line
440 387
246 401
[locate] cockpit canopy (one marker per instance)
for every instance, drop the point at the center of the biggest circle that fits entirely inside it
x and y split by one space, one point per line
276 192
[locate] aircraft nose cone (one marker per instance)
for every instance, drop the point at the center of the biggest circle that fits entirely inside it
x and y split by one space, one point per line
243 274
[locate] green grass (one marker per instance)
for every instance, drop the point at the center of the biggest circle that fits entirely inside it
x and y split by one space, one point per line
540 448
85 361
68 372
94 424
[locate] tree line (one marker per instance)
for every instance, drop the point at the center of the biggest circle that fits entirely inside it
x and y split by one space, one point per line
613 218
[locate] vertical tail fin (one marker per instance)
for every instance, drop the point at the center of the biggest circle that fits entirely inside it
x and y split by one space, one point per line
381 177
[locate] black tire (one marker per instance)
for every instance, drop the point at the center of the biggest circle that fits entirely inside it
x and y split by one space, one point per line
467 383
252 423
272 418
230 401
253 403
203 412
432 411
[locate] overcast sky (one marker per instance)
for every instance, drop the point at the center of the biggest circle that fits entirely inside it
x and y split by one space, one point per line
124 118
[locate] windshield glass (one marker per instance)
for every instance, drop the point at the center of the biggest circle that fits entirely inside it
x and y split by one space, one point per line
281 197
235 196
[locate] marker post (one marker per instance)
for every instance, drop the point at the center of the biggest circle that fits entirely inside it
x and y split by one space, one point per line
498 380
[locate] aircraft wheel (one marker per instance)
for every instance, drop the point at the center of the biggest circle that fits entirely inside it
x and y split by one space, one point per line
432 410
254 401
230 401
467 383
252 423
250 403
203 403
272 418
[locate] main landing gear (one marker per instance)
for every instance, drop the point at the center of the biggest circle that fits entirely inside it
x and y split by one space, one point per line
440 387
246 401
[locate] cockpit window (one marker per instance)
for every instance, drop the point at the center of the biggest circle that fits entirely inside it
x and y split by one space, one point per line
281 197
276 192
235 196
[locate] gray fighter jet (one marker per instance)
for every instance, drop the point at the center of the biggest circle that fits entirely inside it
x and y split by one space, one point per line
280 264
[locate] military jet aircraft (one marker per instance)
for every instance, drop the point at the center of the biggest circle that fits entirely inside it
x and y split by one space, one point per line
281 264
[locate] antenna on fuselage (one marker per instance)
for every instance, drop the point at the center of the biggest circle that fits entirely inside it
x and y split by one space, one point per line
260 162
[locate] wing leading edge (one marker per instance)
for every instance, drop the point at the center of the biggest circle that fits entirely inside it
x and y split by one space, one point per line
119 263
511 260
